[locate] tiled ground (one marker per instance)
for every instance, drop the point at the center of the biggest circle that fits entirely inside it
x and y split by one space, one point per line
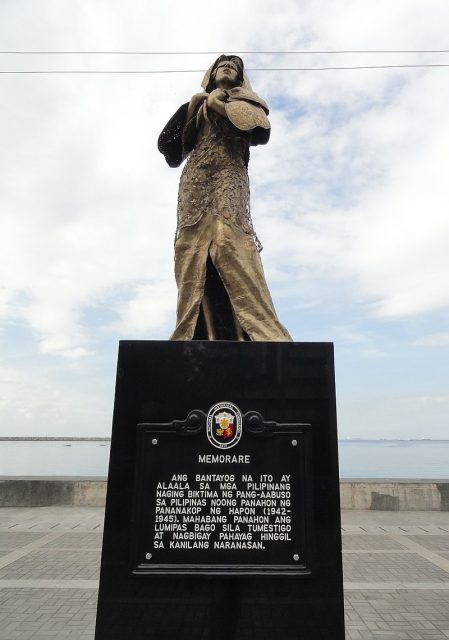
391 567
64 564
396 614
396 574
367 542
41 614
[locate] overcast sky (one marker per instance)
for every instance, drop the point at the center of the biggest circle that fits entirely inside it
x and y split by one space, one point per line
350 198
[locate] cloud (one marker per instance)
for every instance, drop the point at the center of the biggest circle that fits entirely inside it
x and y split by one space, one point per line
47 406
440 339
363 199
355 160
149 311
349 198
90 219
394 416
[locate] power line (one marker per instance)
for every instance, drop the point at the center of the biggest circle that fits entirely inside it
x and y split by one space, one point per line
162 71
200 53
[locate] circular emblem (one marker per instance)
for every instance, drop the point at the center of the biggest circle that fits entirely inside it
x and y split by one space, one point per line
224 425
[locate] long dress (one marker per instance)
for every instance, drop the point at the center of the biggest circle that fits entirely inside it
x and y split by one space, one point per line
215 180
222 291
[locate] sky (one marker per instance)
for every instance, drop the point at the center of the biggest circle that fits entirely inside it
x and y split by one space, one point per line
350 198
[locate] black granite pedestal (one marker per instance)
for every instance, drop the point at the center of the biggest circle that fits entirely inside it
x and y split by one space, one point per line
222 511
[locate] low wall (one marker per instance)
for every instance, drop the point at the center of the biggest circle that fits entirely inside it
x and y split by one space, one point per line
395 495
45 492
377 494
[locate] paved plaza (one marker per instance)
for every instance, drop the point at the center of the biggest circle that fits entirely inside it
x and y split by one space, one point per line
396 573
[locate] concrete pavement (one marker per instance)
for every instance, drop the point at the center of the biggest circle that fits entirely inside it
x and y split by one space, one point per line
396 573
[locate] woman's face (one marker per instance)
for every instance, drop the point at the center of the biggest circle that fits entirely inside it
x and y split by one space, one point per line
226 73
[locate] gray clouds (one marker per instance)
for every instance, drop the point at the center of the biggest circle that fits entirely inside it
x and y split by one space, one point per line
349 198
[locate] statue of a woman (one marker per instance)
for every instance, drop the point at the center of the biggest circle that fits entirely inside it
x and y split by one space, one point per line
222 292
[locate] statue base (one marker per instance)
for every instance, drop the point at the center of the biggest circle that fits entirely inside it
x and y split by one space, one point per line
222 510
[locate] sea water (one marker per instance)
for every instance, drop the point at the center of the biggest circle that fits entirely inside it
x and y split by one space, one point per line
420 459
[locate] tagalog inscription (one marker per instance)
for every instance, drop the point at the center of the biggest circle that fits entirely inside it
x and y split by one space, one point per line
222 511
242 508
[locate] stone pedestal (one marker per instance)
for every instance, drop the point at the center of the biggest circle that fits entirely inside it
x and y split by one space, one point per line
222 511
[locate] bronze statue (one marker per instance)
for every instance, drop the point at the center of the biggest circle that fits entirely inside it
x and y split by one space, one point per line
222 292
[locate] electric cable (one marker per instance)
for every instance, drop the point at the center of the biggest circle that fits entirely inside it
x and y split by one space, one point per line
168 71
200 53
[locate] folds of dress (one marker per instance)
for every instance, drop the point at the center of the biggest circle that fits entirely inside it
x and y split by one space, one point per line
222 291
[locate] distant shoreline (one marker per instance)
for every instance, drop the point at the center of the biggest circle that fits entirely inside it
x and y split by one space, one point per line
50 439
102 439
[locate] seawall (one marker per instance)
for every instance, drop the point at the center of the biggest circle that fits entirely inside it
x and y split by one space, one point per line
365 494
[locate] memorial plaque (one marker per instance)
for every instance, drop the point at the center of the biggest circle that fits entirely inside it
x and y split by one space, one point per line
222 510
213 495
